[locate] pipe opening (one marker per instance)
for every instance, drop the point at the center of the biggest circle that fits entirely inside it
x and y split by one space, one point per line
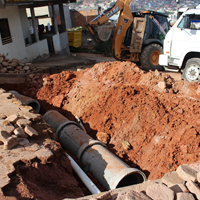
131 179
35 106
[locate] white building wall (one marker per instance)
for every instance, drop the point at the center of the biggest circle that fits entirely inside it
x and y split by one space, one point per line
39 49
64 43
25 24
17 48
56 43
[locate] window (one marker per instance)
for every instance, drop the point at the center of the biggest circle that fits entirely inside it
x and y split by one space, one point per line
5 32
190 22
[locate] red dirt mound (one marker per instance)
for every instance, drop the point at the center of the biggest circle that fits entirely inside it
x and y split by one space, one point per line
151 121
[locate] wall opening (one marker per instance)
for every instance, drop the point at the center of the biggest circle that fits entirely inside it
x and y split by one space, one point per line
5 32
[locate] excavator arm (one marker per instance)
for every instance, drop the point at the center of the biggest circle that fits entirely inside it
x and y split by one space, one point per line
101 30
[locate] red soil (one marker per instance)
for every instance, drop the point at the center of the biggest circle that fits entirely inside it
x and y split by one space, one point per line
155 115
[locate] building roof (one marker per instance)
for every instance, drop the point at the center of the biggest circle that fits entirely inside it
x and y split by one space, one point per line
35 3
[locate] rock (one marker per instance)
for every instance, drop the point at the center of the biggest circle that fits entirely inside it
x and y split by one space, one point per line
13 64
22 71
30 116
10 142
171 178
187 173
162 85
193 188
12 118
25 156
30 131
28 64
185 196
4 136
32 147
126 145
179 188
23 122
26 68
1 59
15 60
131 195
19 67
103 137
198 177
19 132
23 141
3 70
45 155
160 191
6 126
5 64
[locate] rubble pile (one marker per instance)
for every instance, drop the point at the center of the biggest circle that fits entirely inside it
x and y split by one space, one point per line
182 184
14 66
33 164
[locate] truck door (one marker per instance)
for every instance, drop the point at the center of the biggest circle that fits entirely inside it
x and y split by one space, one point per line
186 35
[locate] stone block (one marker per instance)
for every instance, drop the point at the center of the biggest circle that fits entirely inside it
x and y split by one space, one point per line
187 173
19 132
5 64
10 143
23 122
3 70
160 191
4 136
1 59
32 147
30 131
45 155
179 188
131 195
30 116
27 156
193 188
172 178
198 177
185 196
12 118
13 64
4 181
23 141
7 127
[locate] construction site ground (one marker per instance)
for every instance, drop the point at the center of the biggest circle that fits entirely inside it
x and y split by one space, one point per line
150 120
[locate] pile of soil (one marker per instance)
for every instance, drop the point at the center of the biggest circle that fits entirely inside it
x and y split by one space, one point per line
149 120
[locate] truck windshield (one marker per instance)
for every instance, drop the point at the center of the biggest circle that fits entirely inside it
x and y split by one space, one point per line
190 22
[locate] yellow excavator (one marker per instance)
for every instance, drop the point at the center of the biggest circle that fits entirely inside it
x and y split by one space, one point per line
138 36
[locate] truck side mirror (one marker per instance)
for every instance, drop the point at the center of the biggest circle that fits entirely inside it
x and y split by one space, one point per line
186 21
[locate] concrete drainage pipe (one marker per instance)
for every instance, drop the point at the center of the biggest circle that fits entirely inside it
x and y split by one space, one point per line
110 171
27 101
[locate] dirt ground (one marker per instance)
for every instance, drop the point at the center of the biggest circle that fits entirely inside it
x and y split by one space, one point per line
149 120
155 115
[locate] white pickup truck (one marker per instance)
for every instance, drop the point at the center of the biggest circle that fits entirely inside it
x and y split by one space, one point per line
181 49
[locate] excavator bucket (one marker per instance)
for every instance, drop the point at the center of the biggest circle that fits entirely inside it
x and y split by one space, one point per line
105 31
137 34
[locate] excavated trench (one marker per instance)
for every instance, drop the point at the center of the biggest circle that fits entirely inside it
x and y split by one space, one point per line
148 120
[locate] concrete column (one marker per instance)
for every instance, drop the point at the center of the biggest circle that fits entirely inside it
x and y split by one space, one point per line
62 16
35 25
54 19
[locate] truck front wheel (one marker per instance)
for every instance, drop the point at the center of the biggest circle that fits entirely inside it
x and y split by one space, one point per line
150 56
191 72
